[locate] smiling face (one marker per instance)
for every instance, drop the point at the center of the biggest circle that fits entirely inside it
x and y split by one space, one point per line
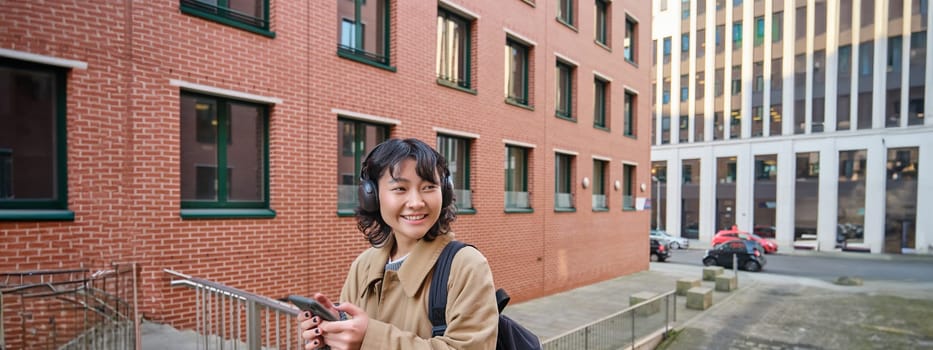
408 203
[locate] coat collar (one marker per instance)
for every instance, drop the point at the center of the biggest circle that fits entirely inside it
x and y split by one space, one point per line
416 267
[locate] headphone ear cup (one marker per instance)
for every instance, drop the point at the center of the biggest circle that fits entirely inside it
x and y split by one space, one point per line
368 196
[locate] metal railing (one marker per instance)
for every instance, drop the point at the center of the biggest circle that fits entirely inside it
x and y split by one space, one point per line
625 329
70 308
229 318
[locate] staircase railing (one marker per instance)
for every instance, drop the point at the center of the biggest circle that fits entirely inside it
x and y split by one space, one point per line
230 318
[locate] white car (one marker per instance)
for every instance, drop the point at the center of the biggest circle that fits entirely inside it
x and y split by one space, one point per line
673 242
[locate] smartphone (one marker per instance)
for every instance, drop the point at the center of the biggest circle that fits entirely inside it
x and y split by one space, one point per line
308 304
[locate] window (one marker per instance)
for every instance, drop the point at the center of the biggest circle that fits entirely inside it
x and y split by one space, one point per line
250 15
777 26
720 32
224 153
701 43
667 48
630 40
600 105
516 179
736 80
364 31
565 11
599 184
355 139
453 48
628 187
33 137
563 182
684 42
516 88
663 5
457 152
564 90
759 30
602 22
630 102
684 88
684 9
737 35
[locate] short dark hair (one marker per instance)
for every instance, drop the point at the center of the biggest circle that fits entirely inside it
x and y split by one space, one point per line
430 165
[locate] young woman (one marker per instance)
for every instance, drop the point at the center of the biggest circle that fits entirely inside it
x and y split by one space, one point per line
406 207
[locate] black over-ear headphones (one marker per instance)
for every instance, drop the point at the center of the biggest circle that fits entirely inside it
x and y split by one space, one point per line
368 191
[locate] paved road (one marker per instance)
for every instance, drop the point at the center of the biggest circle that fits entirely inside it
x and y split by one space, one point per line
828 268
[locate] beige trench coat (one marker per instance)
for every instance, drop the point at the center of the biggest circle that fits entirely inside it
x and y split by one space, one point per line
397 302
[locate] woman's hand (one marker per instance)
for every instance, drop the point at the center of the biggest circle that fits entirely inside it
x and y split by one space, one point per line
309 324
346 335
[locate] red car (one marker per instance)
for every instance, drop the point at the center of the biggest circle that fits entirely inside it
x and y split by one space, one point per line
770 246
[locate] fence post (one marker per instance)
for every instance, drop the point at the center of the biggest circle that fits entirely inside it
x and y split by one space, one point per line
253 336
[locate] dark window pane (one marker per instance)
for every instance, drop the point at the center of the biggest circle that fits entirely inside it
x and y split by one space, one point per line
245 158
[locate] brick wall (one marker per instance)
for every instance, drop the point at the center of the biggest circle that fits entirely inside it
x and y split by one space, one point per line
124 154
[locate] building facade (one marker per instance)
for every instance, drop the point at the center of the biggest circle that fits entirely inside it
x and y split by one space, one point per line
822 139
223 139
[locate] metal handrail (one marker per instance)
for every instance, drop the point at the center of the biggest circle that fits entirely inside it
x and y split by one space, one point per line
216 302
670 316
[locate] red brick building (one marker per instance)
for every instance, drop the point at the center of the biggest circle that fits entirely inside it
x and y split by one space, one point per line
188 136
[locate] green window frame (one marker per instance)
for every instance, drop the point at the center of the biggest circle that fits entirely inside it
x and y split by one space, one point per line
629 107
565 12
601 103
629 49
457 152
600 202
628 187
355 138
563 182
224 170
517 65
354 41
564 98
602 22
34 183
454 48
232 13
737 35
517 197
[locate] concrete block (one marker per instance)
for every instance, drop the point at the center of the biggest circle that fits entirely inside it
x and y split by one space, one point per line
684 284
710 272
699 298
727 283
647 309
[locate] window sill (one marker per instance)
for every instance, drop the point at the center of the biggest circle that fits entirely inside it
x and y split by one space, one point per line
227 214
568 25
628 209
600 209
560 115
466 211
37 215
346 212
452 85
603 128
354 57
602 45
530 3
565 210
633 137
227 21
631 62
519 210
516 104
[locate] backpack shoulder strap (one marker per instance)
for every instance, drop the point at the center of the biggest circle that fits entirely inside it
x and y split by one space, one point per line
437 299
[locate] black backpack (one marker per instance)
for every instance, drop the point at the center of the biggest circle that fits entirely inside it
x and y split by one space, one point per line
511 334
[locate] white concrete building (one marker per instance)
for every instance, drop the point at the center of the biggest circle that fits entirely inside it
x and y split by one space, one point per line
821 136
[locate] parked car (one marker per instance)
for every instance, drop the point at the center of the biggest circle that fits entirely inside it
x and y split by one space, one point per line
659 251
672 241
765 231
748 254
770 246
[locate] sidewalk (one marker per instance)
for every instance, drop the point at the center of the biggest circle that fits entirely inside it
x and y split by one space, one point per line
553 315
